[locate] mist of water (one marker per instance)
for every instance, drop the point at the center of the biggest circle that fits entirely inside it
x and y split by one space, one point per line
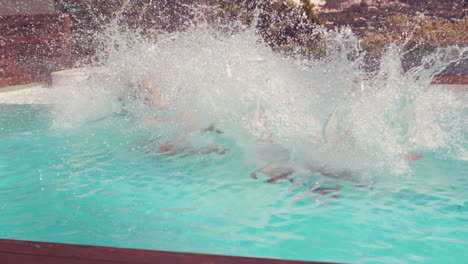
328 111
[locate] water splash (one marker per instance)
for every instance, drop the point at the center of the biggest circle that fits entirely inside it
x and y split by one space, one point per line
330 112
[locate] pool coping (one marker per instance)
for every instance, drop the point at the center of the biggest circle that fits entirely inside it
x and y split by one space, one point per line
43 92
20 251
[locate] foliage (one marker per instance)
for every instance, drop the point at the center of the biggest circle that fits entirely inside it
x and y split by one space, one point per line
283 24
419 31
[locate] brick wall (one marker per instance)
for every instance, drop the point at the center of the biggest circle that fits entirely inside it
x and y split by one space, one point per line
33 46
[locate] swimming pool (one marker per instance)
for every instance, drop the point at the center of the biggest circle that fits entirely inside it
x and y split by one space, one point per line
103 183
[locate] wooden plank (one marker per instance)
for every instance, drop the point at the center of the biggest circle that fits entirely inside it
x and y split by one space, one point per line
30 39
7 61
450 80
14 251
34 76
8 81
50 48
9 51
9 70
19 20
44 64
29 76
20 258
31 29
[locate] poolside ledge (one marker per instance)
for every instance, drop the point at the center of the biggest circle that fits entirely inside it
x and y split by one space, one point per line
20 252
43 93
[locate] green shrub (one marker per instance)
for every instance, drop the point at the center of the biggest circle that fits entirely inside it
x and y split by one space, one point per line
417 33
284 25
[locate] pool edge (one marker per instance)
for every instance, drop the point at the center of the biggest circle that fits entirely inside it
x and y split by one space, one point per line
21 251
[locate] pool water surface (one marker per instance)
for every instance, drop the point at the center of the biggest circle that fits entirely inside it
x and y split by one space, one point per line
103 183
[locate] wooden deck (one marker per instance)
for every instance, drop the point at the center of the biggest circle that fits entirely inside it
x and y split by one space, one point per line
22 252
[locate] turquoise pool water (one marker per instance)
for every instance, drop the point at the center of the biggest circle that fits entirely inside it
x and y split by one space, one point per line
103 183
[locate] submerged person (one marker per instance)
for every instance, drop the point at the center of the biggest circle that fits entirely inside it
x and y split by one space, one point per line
277 165
152 96
275 158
